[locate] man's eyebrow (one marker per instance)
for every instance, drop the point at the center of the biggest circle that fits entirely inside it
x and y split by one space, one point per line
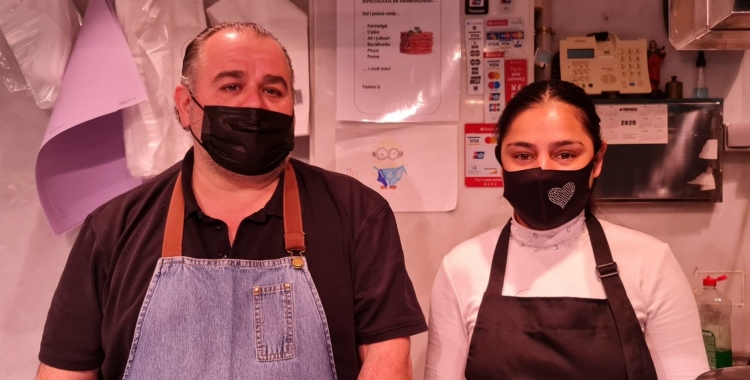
236 74
275 79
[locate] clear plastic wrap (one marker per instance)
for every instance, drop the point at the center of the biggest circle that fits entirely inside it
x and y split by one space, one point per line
157 32
41 34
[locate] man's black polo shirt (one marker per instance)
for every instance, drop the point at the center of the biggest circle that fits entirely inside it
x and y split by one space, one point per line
353 252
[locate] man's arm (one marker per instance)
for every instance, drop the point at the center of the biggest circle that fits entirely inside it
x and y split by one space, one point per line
71 342
386 360
48 373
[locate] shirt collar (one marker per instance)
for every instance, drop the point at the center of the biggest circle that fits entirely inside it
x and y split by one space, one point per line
274 207
554 238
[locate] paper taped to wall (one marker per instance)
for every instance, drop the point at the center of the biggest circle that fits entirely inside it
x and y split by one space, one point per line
405 165
397 61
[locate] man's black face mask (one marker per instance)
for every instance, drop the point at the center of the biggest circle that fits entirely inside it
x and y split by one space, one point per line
244 140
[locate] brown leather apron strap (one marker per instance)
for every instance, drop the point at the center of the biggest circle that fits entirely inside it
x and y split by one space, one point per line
639 366
294 236
172 244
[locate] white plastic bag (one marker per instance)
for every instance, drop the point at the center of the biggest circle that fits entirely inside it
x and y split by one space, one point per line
41 35
157 32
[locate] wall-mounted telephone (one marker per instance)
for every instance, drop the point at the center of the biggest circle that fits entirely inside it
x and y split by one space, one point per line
612 65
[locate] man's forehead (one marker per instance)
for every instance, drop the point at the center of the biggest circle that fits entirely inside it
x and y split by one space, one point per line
223 50
228 41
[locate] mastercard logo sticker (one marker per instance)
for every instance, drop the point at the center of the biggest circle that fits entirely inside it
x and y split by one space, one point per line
490 140
493 75
493 85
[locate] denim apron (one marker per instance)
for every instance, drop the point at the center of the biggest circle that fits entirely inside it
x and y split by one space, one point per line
559 337
232 319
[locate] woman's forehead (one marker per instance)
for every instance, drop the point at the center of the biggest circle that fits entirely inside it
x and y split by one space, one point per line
549 121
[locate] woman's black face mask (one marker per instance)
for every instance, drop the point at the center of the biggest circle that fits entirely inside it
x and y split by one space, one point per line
545 199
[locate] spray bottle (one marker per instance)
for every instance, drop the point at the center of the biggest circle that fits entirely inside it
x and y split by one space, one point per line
715 311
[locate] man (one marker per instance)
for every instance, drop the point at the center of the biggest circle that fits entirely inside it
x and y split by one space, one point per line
265 271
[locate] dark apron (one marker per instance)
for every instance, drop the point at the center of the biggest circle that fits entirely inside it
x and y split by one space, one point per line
558 337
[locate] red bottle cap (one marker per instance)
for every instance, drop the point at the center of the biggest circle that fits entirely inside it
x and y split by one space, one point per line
710 281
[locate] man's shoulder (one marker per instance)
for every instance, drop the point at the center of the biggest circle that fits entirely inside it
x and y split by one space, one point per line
344 189
135 205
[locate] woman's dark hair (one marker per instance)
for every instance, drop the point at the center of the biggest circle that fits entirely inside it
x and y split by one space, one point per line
540 93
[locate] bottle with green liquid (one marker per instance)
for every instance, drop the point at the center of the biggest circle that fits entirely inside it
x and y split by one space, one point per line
715 311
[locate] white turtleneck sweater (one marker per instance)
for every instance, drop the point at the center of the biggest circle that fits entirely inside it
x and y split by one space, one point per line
560 263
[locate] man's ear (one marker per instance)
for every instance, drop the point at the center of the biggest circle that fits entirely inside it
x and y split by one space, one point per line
182 101
599 159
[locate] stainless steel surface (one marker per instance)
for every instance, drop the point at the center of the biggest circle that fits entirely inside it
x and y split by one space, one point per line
729 14
709 25
662 172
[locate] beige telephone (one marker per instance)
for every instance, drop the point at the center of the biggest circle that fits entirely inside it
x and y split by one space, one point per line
605 66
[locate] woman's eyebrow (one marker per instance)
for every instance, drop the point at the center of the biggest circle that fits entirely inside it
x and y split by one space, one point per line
561 143
522 144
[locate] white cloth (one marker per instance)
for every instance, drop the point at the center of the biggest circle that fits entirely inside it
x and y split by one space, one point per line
560 263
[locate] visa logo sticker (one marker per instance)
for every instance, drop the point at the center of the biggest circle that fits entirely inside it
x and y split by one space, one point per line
499 44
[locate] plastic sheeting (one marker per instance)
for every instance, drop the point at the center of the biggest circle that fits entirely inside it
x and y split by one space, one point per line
157 32
32 256
40 34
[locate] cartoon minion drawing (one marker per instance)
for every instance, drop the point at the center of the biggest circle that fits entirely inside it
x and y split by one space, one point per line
388 160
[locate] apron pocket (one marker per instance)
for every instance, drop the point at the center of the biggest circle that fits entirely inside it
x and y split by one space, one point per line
273 320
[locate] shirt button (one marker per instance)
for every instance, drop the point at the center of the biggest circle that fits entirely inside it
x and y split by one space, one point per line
222 256
218 229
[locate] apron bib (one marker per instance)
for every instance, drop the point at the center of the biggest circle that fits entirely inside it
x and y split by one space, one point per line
232 319
558 337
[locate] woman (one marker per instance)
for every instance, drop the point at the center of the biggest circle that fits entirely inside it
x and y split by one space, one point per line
556 294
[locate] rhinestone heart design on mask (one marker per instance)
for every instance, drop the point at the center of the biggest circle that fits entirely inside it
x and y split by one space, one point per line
561 196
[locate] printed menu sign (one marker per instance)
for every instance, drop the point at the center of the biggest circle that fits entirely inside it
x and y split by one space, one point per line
397 60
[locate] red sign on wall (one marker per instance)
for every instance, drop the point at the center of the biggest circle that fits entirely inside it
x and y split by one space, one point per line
516 77
481 166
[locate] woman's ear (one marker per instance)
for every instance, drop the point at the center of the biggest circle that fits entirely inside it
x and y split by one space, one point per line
599 160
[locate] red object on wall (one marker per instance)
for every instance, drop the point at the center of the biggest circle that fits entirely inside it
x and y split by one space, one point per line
516 77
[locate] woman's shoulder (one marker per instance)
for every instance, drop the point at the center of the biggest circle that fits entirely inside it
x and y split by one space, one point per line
474 252
632 241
